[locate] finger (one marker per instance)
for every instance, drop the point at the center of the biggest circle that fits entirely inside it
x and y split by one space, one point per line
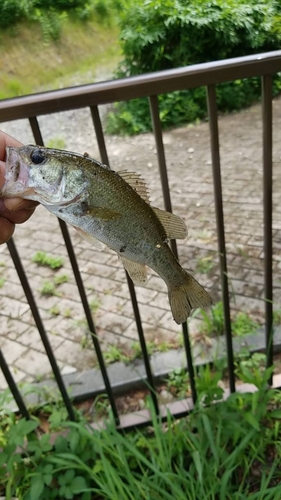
2 173
16 204
17 217
7 140
6 230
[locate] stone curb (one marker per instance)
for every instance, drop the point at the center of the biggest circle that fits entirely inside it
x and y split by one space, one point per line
127 377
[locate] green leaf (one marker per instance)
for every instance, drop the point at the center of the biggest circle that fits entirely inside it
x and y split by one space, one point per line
3 458
48 479
68 493
37 487
274 414
73 439
98 467
69 475
61 444
78 484
27 426
250 418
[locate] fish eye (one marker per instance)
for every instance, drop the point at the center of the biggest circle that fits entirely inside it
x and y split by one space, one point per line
37 156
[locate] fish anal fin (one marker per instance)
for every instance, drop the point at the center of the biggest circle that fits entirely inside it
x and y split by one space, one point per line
89 238
136 182
173 225
136 271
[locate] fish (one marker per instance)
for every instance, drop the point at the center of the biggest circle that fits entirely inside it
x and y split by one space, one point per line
108 207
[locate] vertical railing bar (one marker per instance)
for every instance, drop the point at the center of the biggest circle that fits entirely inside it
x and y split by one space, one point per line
190 365
104 159
89 318
267 201
36 130
13 386
99 134
214 139
143 343
30 299
157 130
39 140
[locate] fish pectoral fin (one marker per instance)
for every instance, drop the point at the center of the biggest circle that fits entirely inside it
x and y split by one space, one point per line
102 213
136 271
136 182
174 226
90 239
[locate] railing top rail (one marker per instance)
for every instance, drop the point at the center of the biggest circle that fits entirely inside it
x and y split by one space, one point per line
145 85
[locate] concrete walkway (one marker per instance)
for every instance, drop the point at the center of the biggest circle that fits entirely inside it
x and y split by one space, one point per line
190 175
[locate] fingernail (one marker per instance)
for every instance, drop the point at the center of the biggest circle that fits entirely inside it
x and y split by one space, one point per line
2 206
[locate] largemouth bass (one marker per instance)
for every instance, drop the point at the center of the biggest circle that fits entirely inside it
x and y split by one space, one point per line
108 207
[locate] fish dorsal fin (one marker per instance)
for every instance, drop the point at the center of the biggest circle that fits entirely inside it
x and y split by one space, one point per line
136 182
89 238
136 271
174 226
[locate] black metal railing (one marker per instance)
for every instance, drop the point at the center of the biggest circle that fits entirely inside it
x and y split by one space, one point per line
150 86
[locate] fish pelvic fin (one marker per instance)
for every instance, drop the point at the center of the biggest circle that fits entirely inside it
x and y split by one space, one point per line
136 271
90 239
187 296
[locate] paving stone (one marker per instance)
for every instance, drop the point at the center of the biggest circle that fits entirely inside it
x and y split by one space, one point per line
112 322
100 284
161 300
34 363
17 375
70 353
89 255
12 328
107 302
13 308
12 350
13 290
168 323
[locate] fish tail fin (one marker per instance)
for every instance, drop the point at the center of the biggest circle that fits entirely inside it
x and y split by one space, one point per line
187 296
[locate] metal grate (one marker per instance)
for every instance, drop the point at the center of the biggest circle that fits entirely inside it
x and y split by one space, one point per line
151 86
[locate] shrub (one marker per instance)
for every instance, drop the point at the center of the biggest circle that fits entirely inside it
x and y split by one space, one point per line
49 13
10 12
158 35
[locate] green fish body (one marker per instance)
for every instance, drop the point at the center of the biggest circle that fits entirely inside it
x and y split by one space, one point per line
108 207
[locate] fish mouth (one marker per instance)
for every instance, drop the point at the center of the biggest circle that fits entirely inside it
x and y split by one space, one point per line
16 176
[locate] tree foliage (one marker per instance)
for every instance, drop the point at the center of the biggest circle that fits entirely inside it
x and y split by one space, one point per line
49 13
158 35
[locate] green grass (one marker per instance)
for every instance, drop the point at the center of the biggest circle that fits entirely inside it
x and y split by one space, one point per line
95 305
227 451
114 354
43 259
54 311
30 65
243 324
205 264
2 282
213 322
178 382
67 313
48 289
59 280
56 143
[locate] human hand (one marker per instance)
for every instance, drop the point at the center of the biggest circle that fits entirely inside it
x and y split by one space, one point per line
13 210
